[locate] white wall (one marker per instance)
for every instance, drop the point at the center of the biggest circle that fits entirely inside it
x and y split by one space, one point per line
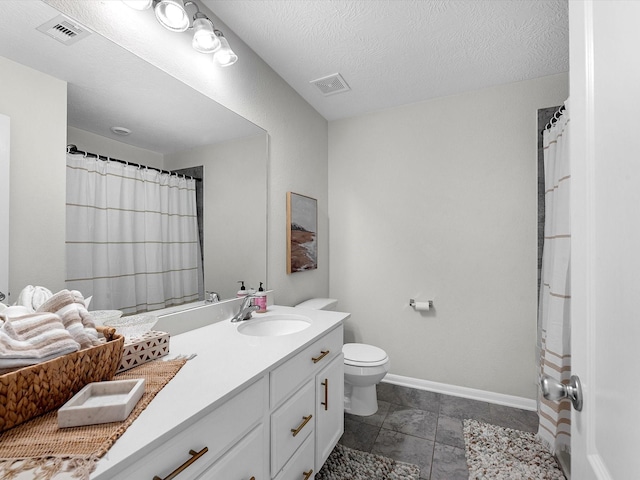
437 200
235 216
37 106
297 133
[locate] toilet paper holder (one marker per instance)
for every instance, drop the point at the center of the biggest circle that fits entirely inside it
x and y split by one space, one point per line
420 305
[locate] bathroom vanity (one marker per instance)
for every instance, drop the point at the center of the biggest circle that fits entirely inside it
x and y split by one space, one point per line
256 405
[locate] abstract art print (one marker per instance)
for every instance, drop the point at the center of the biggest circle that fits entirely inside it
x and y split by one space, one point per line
302 225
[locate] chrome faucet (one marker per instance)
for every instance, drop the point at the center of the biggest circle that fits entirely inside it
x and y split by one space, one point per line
246 309
211 297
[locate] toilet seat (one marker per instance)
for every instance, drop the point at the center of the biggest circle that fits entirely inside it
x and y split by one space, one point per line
363 355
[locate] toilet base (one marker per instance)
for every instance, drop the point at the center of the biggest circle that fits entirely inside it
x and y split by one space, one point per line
361 401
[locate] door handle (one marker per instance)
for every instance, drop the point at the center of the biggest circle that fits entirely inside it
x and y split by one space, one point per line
325 384
305 420
553 390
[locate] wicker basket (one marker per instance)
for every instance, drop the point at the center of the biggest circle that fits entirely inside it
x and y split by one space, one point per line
37 389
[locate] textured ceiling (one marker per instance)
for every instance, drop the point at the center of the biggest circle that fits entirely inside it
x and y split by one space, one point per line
395 52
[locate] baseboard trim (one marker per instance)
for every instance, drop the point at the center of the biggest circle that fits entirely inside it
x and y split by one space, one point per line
457 391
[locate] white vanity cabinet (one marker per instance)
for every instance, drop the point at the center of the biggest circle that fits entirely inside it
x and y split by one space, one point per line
307 416
244 408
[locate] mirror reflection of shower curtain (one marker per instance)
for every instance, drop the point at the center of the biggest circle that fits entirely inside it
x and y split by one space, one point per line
131 236
555 293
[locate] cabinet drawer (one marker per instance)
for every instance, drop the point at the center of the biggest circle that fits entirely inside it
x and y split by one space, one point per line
298 369
216 431
244 461
291 424
300 467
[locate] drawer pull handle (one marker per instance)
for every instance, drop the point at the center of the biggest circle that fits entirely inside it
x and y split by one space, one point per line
323 353
252 478
305 420
325 384
307 475
194 456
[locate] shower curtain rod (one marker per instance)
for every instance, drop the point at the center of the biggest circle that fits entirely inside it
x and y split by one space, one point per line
554 119
73 150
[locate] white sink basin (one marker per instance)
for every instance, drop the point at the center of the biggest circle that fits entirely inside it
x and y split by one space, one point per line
274 325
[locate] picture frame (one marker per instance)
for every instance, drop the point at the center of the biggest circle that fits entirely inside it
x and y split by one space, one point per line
302 233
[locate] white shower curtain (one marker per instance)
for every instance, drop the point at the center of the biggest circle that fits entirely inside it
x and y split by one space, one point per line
131 235
555 292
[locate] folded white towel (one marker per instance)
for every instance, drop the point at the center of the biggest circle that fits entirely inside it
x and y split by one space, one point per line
32 338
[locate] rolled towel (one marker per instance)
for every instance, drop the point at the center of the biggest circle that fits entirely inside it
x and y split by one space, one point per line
70 307
32 297
32 338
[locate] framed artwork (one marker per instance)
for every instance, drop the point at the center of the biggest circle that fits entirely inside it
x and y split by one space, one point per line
302 226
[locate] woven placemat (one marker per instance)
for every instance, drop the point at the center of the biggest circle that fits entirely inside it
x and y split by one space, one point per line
40 444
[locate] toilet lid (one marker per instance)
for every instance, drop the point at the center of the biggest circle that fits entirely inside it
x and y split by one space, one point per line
363 354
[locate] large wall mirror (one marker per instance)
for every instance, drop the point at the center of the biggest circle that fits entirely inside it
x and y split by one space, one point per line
172 127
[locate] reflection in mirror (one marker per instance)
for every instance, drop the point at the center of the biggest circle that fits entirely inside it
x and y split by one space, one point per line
172 127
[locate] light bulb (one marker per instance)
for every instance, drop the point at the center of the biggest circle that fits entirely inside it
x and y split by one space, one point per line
172 15
224 57
204 40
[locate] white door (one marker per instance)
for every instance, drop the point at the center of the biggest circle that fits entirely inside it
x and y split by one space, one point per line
4 207
604 106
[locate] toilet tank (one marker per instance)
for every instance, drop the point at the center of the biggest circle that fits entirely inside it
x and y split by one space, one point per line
319 304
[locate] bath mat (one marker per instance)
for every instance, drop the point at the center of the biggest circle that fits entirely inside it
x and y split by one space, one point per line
348 464
45 450
499 453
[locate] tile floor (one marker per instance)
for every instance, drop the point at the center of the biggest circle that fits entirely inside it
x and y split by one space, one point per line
425 428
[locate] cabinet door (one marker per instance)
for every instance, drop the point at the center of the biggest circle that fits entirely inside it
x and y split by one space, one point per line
244 461
329 408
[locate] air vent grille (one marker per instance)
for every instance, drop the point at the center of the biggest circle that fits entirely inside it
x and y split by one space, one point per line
331 84
64 30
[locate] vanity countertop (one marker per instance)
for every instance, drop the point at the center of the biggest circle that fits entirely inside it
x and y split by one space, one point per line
225 362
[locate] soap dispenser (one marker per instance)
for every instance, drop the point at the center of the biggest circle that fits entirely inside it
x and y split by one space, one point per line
243 291
261 300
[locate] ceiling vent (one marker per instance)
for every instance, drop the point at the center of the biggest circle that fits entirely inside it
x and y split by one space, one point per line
331 84
64 30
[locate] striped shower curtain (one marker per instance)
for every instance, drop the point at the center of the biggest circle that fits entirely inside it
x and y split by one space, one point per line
131 236
555 292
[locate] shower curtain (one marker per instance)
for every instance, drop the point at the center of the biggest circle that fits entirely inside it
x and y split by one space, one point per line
555 292
131 235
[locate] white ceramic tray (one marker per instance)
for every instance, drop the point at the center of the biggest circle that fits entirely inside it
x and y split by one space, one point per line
101 402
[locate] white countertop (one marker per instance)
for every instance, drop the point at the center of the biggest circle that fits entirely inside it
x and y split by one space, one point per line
225 362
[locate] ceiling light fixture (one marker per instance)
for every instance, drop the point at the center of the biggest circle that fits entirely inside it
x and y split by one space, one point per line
204 38
173 15
124 131
224 57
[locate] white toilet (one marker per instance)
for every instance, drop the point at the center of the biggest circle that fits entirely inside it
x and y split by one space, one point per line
364 367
